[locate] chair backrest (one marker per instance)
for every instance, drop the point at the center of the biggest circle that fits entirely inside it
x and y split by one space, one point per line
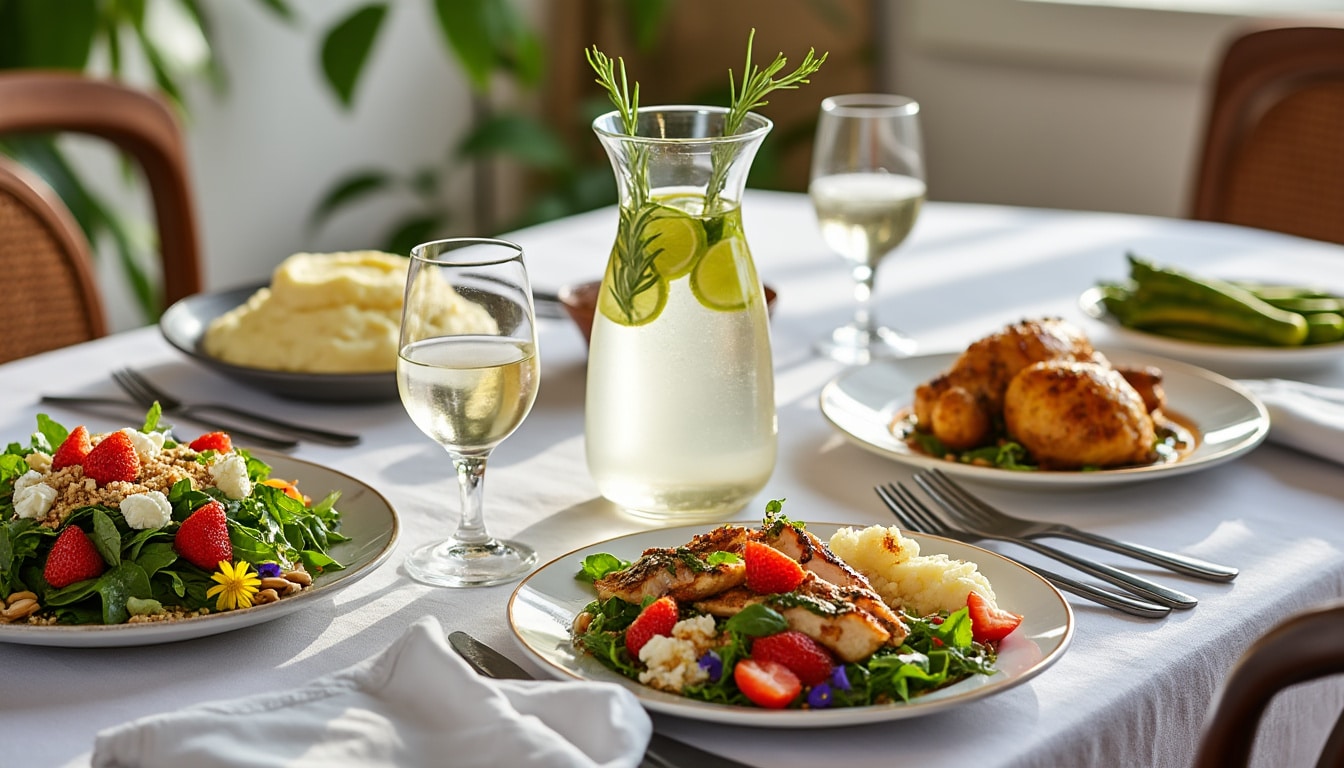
44 258
1273 156
141 125
1304 647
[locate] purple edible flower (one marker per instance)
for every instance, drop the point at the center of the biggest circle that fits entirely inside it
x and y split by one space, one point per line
711 663
820 696
268 570
839 679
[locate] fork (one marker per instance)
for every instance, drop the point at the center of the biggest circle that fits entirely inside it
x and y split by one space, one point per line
990 517
913 515
95 404
1140 586
145 393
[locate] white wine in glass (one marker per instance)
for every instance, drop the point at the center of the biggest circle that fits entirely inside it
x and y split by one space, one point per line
467 373
867 187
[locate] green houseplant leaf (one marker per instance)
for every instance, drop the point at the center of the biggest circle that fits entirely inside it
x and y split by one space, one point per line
346 47
348 190
466 28
41 33
523 138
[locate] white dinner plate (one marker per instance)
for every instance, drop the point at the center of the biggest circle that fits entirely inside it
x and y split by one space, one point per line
366 517
1228 419
545 604
1226 359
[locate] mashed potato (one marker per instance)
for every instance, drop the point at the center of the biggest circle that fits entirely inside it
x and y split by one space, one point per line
919 584
330 313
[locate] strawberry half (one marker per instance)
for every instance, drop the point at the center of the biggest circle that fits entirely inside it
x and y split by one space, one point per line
113 459
657 618
804 656
72 558
73 449
988 622
203 538
770 571
212 441
768 684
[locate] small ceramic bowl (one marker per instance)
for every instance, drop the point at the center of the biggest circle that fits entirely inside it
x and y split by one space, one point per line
580 301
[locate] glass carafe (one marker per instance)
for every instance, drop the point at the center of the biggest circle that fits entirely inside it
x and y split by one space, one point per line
680 408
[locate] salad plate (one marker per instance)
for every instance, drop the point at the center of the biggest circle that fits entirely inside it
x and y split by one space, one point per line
366 517
1228 420
1225 359
544 605
183 326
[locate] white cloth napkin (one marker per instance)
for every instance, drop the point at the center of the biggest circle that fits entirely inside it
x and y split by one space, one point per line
415 704
1308 417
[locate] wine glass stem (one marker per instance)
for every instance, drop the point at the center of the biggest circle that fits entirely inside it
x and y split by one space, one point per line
471 479
863 299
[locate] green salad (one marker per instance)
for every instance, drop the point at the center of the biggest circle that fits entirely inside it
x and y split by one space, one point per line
135 526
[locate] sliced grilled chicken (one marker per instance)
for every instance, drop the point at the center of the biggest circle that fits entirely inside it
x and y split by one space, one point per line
813 554
818 609
680 572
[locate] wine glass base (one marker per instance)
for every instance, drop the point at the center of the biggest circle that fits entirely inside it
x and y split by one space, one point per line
454 563
856 346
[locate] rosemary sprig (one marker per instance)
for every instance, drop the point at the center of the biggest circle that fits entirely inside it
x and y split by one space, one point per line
626 100
756 85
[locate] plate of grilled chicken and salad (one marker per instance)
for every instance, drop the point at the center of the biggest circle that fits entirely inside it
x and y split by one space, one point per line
1035 404
139 535
790 624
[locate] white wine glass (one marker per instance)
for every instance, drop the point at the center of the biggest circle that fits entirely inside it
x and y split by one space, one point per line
867 186
467 373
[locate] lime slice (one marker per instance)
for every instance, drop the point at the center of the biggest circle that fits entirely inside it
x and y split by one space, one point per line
679 239
645 305
716 281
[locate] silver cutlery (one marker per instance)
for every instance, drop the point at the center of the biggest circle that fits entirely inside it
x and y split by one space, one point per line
990 517
88 402
145 392
662 752
913 515
1145 588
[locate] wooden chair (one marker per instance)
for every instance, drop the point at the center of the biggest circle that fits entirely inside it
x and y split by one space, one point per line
51 299
1306 646
141 125
1273 153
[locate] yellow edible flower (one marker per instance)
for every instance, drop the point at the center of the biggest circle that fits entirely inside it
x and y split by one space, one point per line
237 584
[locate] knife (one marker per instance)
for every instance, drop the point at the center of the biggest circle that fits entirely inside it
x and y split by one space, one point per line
663 751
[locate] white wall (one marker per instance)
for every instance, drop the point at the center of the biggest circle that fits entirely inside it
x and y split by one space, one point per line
265 152
1082 104
1057 106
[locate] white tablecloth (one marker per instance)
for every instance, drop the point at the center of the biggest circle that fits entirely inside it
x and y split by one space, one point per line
1128 692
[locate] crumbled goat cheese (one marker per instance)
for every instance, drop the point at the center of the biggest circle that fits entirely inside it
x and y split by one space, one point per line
29 478
230 476
34 500
147 444
146 510
674 662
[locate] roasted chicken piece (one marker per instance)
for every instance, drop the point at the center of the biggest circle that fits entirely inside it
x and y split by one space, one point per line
961 406
1070 415
1040 383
